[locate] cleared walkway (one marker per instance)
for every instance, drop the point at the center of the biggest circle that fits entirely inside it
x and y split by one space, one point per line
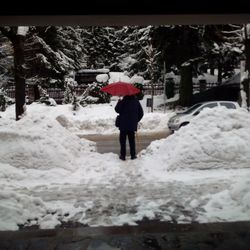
110 143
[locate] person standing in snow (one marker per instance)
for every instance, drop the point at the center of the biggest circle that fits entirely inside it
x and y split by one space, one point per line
130 113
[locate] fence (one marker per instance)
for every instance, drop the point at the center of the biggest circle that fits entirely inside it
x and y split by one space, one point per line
159 88
198 87
58 94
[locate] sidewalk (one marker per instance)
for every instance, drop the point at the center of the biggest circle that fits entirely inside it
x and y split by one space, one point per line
147 236
110 143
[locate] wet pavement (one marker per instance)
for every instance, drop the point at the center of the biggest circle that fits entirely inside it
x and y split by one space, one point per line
110 143
147 236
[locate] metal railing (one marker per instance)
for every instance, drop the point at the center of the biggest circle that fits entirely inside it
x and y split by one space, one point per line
58 93
159 88
55 93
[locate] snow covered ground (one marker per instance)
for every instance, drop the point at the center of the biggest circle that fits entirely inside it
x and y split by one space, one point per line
48 175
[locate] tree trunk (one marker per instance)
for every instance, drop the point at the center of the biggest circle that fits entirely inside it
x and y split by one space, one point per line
186 86
18 45
36 93
247 53
219 72
152 96
186 83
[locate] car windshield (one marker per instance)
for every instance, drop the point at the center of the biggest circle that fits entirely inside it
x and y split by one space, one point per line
191 109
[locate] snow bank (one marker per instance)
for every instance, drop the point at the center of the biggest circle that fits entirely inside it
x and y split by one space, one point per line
39 142
216 138
16 209
231 204
48 175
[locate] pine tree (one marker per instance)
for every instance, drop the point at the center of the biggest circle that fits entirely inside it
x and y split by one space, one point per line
6 62
137 41
101 47
152 67
223 48
69 94
53 51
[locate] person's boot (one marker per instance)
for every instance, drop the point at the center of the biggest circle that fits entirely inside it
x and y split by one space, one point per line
122 157
133 157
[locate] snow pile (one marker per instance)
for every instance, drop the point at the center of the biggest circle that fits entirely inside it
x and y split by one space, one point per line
216 138
16 209
49 176
137 79
39 142
154 122
232 204
118 77
85 121
94 118
102 78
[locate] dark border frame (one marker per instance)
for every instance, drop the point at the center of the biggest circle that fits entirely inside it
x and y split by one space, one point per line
122 20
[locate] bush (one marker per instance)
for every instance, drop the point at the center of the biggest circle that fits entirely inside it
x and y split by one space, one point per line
4 100
94 95
45 97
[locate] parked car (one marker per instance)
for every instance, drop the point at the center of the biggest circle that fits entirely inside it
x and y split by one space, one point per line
184 117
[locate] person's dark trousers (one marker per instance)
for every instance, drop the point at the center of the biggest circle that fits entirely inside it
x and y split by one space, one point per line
131 140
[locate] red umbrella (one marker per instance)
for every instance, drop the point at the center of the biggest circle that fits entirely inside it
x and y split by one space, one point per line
120 89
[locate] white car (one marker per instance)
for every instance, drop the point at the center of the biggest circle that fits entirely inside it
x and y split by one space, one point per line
183 118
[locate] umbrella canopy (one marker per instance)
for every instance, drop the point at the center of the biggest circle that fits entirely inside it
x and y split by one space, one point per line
120 89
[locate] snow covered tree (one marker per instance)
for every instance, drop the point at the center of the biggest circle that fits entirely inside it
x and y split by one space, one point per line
53 51
223 48
17 37
3 103
179 47
137 41
204 46
151 58
101 46
70 94
138 81
6 61
93 93
245 82
45 97
4 100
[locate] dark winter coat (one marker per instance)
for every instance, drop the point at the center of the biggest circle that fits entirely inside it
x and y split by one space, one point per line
130 111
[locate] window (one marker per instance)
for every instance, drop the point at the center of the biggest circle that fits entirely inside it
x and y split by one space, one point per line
209 105
228 105
191 109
